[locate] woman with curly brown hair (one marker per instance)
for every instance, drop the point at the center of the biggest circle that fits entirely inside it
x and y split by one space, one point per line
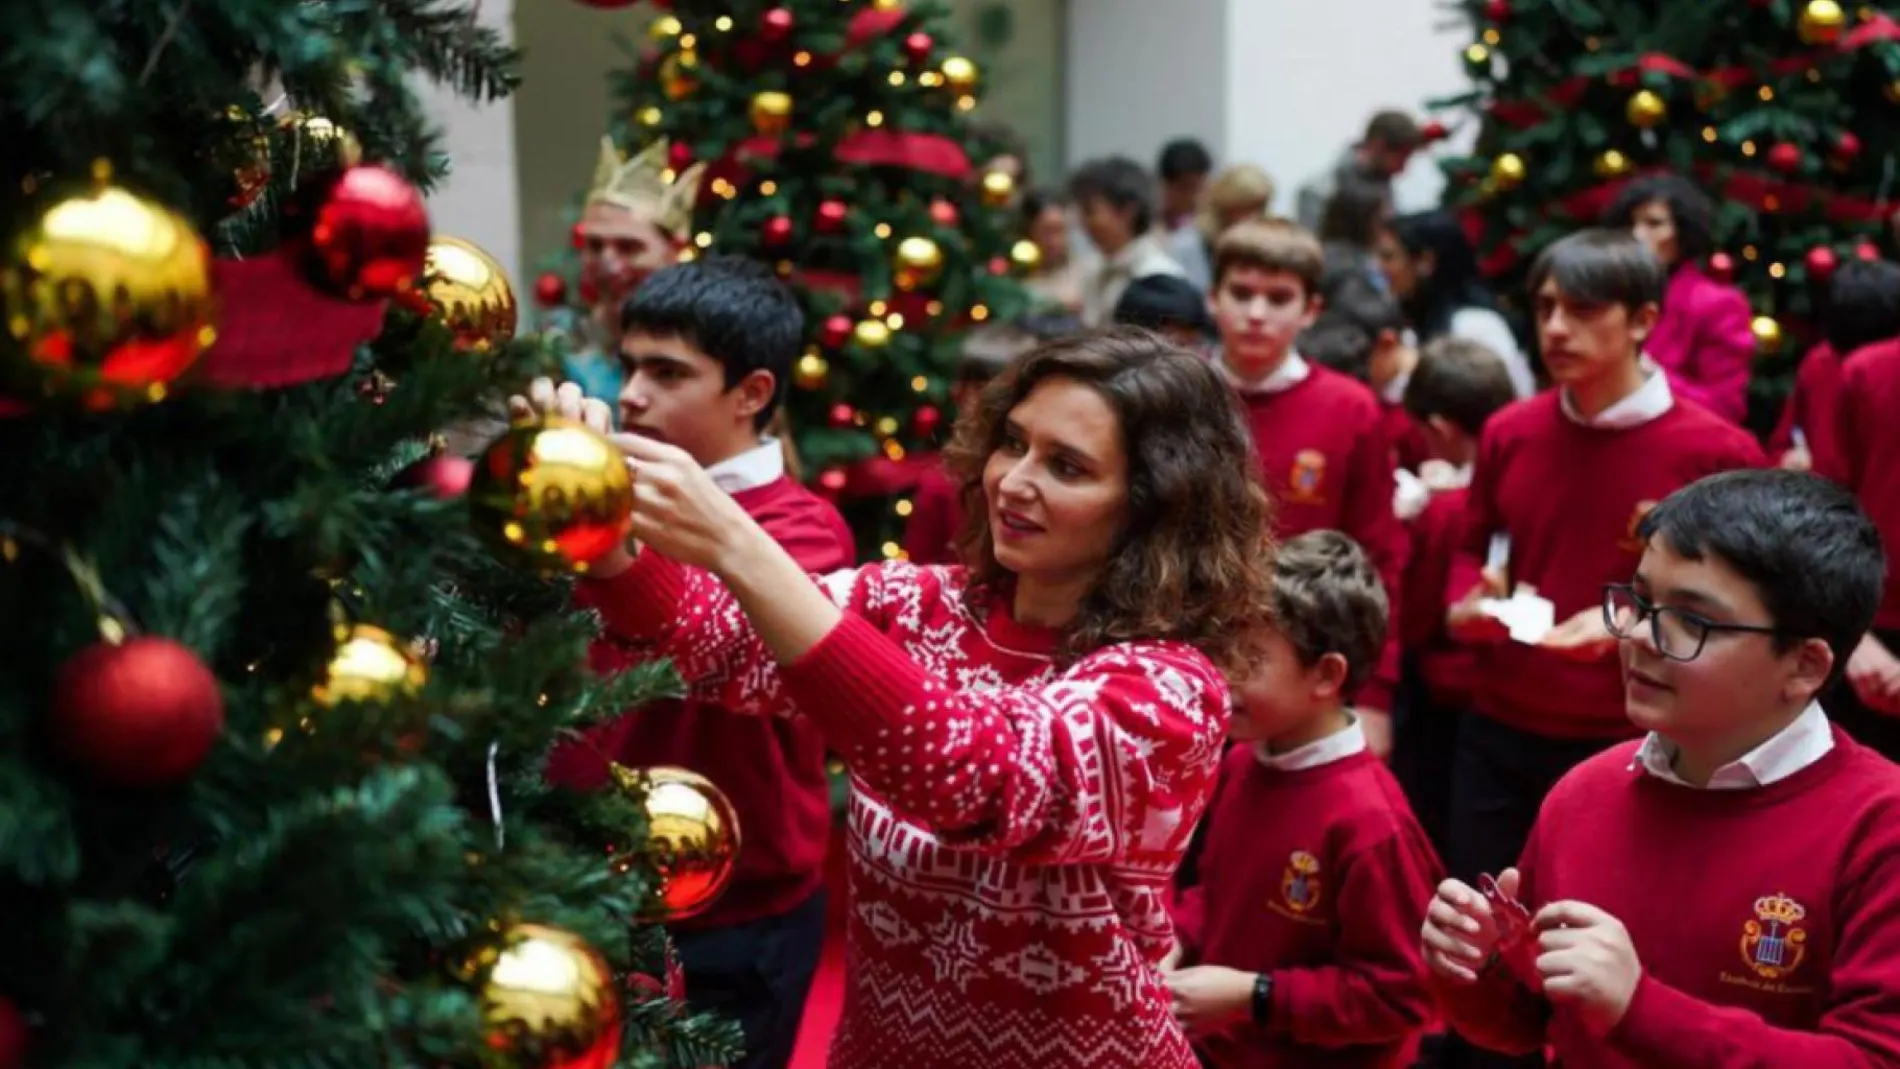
1032 738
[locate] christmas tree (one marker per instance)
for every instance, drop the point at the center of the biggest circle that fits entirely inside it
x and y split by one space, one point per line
837 146
278 676
1783 110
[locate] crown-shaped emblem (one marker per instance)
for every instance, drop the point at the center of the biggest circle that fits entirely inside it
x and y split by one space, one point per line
646 184
1780 909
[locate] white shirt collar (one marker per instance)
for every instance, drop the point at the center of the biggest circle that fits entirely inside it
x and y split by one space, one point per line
762 464
1793 748
1291 372
1338 746
1648 402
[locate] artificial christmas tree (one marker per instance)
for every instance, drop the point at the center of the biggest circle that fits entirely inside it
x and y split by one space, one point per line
1783 110
273 714
836 146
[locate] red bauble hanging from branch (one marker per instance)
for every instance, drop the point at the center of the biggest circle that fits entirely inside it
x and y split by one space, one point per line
1785 157
777 230
361 233
550 290
830 216
1722 267
918 47
1821 262
775 25
143 713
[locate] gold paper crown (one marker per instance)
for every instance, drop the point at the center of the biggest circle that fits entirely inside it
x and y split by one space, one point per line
642 184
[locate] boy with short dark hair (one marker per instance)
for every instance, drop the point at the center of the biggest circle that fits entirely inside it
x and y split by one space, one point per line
1726 892
708 348
1561 484
1116 200
1170 306
1298 949
1183 167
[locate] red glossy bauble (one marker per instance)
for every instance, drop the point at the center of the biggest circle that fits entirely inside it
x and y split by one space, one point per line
1497 10
999 265
918 46
1785 157
1722 267
13 1036
831 481
830 216
550 290
1868 251
361 232
943 213
842 415
927 420
776 24
1821 262
444 477
777 230
1847 147
577 237
143 713
835 331
679 155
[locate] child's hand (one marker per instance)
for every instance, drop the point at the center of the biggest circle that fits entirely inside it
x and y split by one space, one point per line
1797 459
1470 624
1377 725
1460 933
1874 673
1587 961
1208 996
1584 637
1173 959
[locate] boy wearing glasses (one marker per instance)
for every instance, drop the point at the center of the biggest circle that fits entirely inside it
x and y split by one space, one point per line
1725 893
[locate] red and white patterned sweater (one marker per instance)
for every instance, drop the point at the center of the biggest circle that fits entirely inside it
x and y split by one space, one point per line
1014 823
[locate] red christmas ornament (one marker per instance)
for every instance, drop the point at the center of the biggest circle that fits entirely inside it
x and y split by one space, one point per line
830 217
550 290
577 237
1847 147
831 482
777 230
361 232
13 1036
1821 262
140 714
1722 267
842 415
444 477
679 155
999 265
943 213
835 332
918 46
1868 251
1433 131
1785 157
1497 10
776 24
927 419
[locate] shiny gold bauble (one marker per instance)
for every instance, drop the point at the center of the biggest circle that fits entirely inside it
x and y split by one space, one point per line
548 1000
1767 331
370 665
919 262
771 112
665 26
107 296
1508 171
959 74
998 189
1026 255
811 372
1645 110
871 333
471 293
1477 57
649 116
1821 22
553 495
692 840
1611 164
320 136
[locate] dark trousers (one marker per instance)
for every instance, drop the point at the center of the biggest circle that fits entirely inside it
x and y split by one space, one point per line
758 974
1877 731
1424 745
1499 778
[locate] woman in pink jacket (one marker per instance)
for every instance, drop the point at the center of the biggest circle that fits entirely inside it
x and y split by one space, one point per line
1703 341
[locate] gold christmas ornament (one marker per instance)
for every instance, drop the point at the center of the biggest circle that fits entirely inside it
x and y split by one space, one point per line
1821 22
959 74
692 839
1026 255
1477 56
1646 110
552 495
665 26
919 263
1508 171
1767 331
649 116
675 81
811 372
871 333
370 665
641 185
771 112
1611 164
999 189
548 1000
471 293
321 136
107 295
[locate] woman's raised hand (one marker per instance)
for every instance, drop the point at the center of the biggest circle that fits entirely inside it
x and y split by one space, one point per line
678 509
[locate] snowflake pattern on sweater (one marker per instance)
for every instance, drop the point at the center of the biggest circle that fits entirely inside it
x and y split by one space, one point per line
1014 820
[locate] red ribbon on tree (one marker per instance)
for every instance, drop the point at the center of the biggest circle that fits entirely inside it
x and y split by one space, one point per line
275 330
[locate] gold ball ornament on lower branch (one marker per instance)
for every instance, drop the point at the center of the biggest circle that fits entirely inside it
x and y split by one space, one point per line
552 495
548 1000
1025 255
771 113
470 291
692 838
998 189
871 333
959 74
919 262
811 372
107 296
1821 22
1611 163
370 665
1768 336
1646 109
1509 171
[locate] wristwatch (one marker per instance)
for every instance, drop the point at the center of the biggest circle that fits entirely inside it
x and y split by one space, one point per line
1262 998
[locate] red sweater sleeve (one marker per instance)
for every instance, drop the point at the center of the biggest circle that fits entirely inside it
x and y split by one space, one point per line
1368 518
1373 990
1724 357
1792 415
1843 464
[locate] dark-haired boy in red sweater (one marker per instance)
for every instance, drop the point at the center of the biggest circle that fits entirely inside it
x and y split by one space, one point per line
1868 464
1725 893
1297 948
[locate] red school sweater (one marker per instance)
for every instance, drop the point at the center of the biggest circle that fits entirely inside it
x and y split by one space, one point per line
1014 818
1437 536
1570 497
1767 920
1403 433
773 770
1319 877
1813 406
1869 460
1323 453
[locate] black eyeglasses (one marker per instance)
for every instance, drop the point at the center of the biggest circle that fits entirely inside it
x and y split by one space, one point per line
1676 635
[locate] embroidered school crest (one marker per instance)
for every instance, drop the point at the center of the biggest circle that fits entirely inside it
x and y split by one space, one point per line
1633 543
1773 941
1306 482
1300 886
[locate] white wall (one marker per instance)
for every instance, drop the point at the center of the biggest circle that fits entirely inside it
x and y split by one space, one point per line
479 201
1141 72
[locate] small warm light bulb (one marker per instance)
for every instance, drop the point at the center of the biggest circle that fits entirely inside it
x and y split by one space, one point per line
979 312
877 308
903 507
723 24
897 78
801 59
703 239
876 118
767 188
920 384
891 550
895 321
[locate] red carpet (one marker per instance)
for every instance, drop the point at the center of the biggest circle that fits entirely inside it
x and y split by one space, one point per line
827 990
